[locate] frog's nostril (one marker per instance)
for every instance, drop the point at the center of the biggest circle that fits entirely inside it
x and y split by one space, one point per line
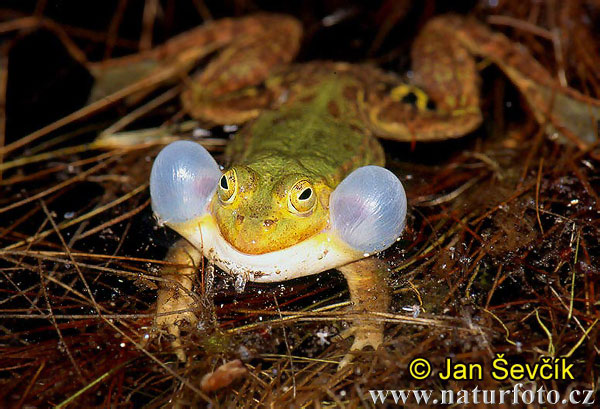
239 219
269 222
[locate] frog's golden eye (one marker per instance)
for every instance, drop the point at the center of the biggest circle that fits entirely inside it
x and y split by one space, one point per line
227 186
302 198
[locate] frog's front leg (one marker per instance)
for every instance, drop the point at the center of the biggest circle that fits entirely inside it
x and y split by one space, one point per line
176 301
369 292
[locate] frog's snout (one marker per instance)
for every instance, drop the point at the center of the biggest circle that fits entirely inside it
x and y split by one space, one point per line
251 234
252 223
251 226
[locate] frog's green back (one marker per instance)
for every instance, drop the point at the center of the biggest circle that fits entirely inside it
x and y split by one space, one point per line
317 131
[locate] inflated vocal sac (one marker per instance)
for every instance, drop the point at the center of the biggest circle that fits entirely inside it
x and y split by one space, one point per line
368 209
182 182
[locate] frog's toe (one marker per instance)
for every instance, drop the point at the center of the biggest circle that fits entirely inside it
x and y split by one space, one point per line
346 360
348 332
368 338
364 335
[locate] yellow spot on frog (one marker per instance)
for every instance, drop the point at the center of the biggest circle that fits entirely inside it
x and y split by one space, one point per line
404 91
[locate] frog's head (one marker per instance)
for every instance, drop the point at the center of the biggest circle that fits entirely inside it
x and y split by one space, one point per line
264 211
258 212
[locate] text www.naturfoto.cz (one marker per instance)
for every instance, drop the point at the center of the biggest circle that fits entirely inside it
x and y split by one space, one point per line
517 395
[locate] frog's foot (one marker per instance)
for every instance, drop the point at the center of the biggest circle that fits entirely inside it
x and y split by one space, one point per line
366 280
365 335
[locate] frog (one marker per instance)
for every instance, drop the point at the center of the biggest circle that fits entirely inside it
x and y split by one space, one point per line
303 188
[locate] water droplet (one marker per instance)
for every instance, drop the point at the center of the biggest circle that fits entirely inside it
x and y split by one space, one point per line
240 283
201 133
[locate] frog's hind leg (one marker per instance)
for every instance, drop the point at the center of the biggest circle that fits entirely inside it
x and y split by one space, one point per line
444 103
227 90
562 110
441 103
369 292
248 48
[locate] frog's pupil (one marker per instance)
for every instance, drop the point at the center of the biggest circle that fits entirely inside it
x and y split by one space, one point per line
410 98
224 183
305 194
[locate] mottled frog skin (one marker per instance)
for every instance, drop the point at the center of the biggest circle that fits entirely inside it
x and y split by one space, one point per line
308 126
316 137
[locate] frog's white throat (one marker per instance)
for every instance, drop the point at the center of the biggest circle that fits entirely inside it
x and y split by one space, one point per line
322 252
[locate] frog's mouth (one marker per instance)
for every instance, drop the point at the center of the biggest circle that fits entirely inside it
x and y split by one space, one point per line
321 252
251 236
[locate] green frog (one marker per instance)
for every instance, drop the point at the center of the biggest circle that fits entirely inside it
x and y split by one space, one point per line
303 188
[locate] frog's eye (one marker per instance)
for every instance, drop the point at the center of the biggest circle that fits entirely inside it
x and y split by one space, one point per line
227 186
302 198
368 209
183 180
